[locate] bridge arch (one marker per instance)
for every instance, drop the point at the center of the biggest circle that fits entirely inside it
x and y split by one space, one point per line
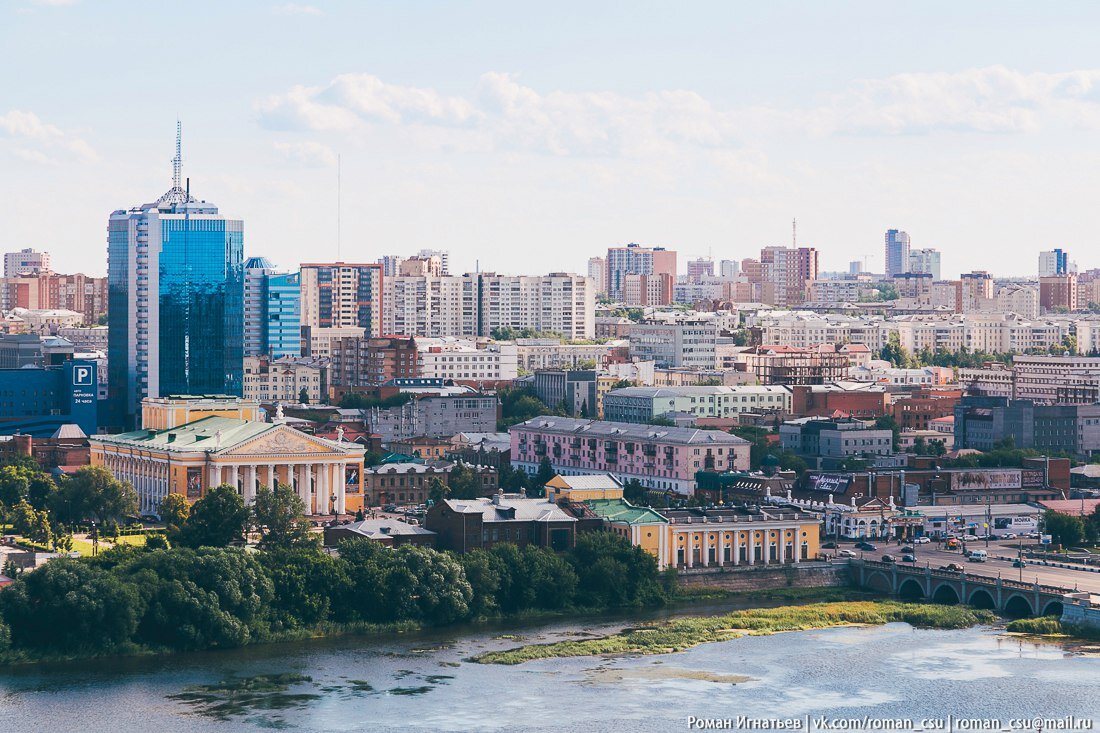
879 581
946 594
1017 606
982 598
911 590
1053 608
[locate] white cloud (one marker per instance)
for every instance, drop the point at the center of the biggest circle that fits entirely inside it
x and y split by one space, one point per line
55 3
35 140
309 154
296 9
503 114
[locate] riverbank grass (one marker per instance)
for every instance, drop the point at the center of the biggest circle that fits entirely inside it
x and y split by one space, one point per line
685 633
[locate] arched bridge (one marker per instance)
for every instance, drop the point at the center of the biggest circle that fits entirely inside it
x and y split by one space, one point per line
1011 598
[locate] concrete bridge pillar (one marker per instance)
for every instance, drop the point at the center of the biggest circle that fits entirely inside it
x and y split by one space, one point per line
999 600
928 582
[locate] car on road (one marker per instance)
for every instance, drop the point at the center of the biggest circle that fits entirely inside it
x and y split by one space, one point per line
977 556
907 549
1019 564
953 567
1008 536
889 558
845 553
1032 535
389 508
828 546
952 543
921 540
909 557
865 546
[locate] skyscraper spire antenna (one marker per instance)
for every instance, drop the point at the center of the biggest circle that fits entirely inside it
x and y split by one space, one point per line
794 233
177 162
177 195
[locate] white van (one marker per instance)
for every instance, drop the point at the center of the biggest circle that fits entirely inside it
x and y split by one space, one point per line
978 555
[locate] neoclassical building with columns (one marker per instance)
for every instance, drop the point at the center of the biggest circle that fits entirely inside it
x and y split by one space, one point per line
193 457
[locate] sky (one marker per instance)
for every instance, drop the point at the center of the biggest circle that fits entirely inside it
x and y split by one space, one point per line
525 138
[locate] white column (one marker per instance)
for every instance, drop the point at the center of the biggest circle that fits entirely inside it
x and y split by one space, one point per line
706 549
271 477
736 547
721 548
341 499
211 476
690 549
309 493
752 548
782 546
767 547
250 484
235 478
322 488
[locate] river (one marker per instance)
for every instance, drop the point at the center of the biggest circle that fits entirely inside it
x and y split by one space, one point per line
422 683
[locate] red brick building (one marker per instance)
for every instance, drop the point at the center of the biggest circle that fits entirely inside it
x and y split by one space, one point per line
806 401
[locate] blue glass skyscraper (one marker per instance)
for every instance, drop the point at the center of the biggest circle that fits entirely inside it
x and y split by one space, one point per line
283 312
175 301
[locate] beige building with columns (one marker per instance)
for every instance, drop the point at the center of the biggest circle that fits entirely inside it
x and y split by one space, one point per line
192 457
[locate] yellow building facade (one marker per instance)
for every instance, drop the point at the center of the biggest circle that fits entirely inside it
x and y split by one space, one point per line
730 537
190 458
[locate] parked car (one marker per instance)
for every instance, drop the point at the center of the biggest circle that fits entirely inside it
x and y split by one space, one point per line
828 546
921 540
1008 536
865 546
845 553
909 558
889 558
389 508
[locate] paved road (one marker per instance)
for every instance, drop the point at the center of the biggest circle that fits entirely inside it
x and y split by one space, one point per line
932 555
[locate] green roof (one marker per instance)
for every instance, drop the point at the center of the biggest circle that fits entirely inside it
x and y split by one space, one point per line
621 510
194 436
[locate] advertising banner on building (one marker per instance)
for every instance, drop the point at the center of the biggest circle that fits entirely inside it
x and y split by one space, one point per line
829 483
978 479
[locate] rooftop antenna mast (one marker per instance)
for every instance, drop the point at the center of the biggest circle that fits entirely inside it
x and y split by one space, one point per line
794 233
339 204
177 162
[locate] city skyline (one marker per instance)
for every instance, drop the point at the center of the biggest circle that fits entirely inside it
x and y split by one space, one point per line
709 147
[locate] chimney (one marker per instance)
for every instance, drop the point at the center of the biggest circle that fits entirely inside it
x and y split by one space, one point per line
498 496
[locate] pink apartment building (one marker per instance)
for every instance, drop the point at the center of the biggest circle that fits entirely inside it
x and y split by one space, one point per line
661 458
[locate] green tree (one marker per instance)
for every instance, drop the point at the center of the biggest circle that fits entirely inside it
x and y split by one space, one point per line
1063 529
198 599
23 518
887 422
93 493
463 482
279 517
612 572
69 606
306 583
437 490
22 478
303 396
542 476
174 511
483 575
216 520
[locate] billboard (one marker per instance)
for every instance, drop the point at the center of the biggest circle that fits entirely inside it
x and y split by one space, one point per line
194 483
829 483
979 479
1032 478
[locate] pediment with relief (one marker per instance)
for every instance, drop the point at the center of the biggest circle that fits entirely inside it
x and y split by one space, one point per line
282 440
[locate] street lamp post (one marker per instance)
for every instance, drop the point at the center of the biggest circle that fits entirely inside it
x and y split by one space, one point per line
333 497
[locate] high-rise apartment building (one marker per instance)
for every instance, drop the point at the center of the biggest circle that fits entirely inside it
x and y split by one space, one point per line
444 259
25 262
729 269
438 263
283 314
634 259
897 252
925 261
975 290
1057 292
272 311
700 268
175 275
342 295
477 304
1053 262
51 291
256 270
787 273
597 272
